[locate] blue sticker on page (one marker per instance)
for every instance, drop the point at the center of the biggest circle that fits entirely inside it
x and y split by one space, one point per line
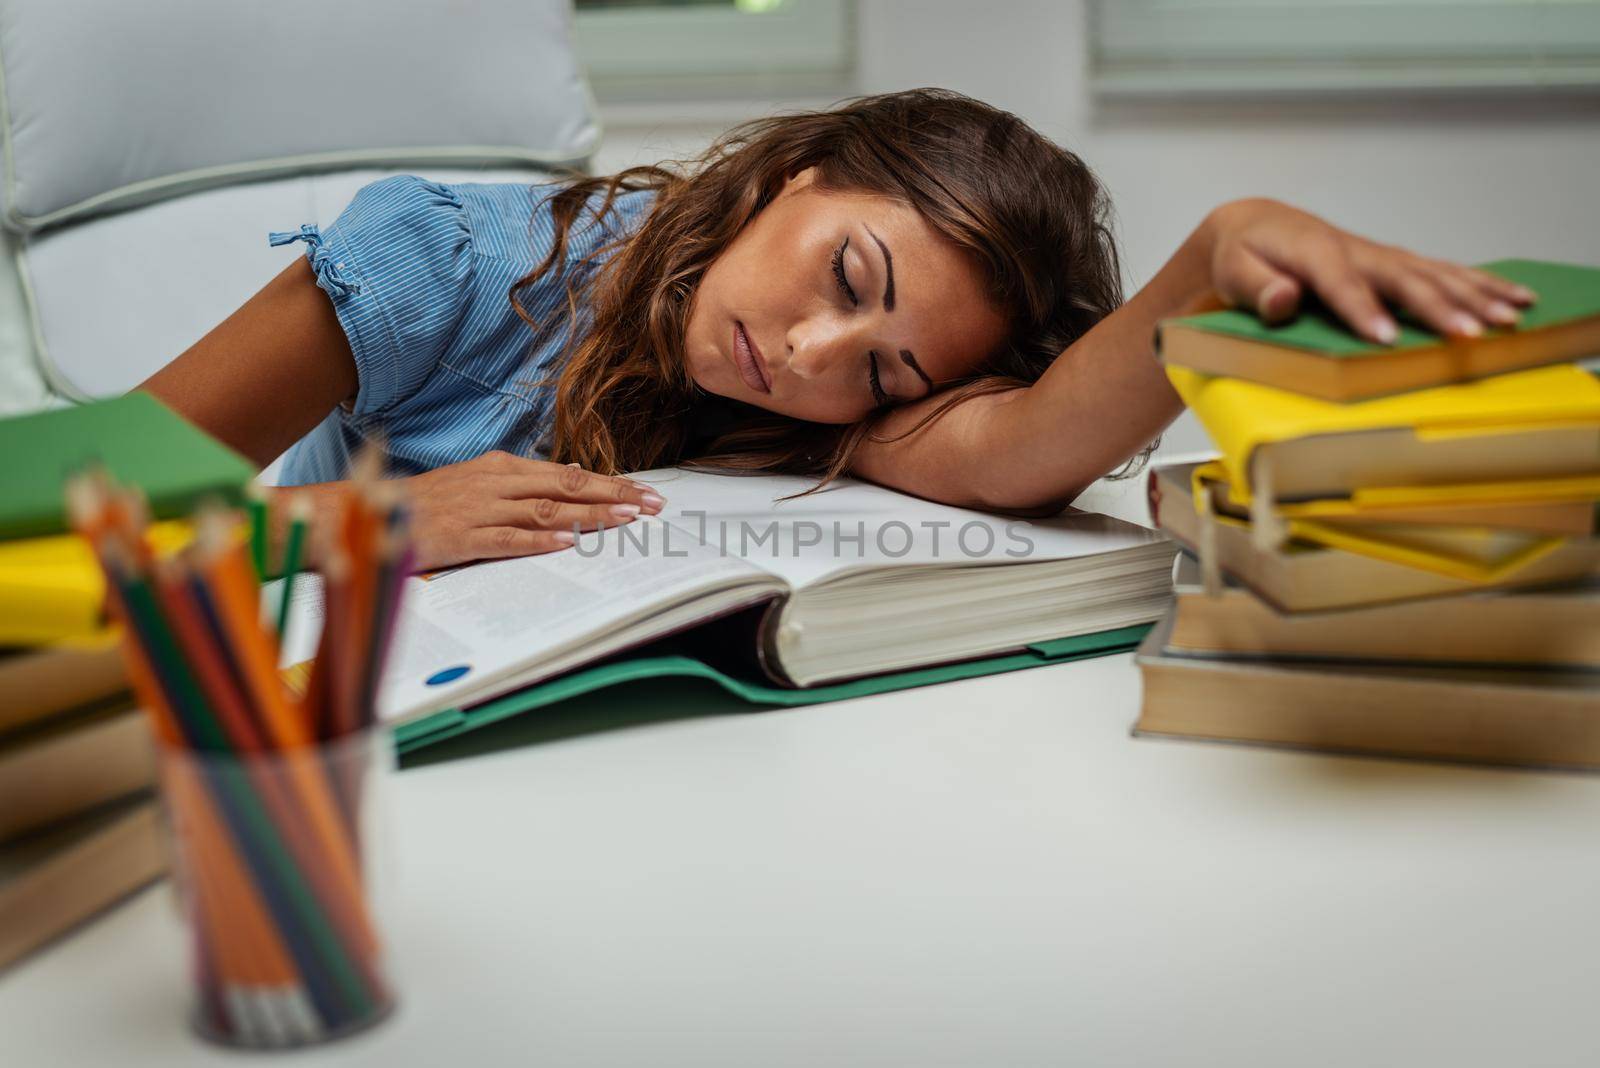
449 674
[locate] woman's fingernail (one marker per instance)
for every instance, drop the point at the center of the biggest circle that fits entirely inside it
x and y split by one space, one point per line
1276 293
1468 325
574 464
624 511
1384 330
1501 312
1524 293
653 500
563 537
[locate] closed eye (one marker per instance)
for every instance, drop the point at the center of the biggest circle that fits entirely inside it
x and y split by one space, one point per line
879 397
839 276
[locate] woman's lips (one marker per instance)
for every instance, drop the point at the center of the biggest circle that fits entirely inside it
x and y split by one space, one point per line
752 368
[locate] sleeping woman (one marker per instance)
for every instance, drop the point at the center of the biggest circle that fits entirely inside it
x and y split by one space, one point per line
915 289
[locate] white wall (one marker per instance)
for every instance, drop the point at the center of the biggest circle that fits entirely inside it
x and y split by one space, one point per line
1465 179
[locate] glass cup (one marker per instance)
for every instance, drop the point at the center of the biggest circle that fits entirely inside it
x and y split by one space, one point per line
274 864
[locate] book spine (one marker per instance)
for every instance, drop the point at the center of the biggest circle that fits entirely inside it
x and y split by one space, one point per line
88 878
60 776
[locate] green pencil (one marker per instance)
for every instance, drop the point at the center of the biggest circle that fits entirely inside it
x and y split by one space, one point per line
257 505
299 519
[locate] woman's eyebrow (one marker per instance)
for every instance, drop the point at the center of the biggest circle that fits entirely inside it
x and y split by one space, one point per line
888 269
911 362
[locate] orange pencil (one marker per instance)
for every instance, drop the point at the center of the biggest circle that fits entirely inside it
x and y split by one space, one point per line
337 645
141 671
362 527
265 960
227 964
238 968
316 700
237 598
86 507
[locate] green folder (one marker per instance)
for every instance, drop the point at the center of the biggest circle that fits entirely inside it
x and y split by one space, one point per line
637 681
140 441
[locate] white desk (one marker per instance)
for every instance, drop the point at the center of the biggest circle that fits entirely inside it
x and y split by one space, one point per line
986 873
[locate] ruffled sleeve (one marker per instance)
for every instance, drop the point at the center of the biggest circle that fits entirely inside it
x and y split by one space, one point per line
396 265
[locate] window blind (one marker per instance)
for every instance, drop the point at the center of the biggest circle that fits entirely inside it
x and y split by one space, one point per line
1232 46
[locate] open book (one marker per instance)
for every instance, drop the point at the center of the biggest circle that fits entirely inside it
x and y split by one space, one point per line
853 580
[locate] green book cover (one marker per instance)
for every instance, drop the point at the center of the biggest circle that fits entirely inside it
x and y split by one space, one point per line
1566 293
140 441
636 686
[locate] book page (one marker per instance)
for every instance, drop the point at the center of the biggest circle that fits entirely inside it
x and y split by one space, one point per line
464 628
853 525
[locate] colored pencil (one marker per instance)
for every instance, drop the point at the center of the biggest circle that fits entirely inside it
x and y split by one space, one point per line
247 914
260 529
386 607
299 519
286 951
333 986
333 877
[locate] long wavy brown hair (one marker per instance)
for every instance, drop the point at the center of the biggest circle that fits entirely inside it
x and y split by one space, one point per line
1030 214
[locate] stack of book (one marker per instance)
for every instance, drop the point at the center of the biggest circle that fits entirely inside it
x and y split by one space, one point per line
1396 550
78 822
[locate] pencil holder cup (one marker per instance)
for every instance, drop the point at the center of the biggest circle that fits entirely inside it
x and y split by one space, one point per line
275 861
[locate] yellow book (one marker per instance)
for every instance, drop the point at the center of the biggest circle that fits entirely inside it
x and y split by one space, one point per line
1302 576
51 589
1567 507
1470 553
1473 554
1483 437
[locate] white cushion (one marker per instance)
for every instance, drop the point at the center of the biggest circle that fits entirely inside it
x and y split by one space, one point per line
109 104
114 300
22 385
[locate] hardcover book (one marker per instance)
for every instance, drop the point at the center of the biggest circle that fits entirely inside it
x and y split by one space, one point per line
1317 355
855 582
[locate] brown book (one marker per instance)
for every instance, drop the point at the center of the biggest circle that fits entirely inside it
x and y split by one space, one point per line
1297 577
1315 354
1557 627
53 881
1531 717
73 763
39 683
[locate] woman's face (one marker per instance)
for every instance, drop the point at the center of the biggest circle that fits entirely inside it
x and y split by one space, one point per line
829 305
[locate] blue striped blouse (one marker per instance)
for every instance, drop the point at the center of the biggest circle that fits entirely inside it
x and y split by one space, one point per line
418 273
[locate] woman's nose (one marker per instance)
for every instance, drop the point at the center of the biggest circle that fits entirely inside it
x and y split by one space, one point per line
813 356
807 360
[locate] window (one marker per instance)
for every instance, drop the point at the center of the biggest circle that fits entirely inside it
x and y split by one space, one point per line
1147 47
762 44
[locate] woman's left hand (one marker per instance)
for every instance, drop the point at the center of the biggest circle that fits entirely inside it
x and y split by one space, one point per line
1265 255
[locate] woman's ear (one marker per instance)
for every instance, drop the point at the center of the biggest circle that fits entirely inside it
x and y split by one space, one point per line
801 179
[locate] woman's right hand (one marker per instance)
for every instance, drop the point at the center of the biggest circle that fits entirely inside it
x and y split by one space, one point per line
501 505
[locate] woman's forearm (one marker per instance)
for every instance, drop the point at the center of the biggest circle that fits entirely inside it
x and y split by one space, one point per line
1101 402
1031 450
